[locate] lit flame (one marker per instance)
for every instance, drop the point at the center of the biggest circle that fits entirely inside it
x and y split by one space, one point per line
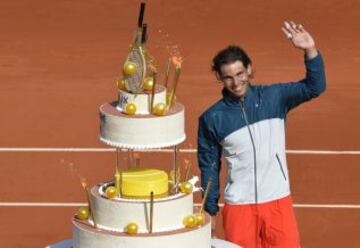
152 68
176 60
74 172
83 182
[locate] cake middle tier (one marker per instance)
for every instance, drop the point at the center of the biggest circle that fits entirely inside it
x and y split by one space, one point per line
141 131
115 214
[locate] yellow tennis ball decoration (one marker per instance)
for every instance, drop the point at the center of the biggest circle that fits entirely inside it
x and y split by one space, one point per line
131 228
148 83
130 68
200 218
159 109
130 109
186 188
189 221
121 83
111 192
83 213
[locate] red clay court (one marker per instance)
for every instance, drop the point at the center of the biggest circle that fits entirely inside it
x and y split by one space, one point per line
59 61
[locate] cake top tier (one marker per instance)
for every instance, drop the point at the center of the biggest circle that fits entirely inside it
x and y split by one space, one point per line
146 114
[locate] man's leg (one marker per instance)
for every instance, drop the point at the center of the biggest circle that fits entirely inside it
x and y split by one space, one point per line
241 225
280 228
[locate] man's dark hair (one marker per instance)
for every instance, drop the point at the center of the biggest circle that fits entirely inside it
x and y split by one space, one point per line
229 55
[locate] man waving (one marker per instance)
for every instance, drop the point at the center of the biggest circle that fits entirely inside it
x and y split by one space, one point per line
247 127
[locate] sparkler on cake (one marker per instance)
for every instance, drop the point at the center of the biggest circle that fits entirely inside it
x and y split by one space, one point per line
82 213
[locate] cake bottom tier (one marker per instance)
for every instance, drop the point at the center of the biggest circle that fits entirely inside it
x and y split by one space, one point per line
86 236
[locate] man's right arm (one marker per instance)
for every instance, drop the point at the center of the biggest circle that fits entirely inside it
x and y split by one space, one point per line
209 155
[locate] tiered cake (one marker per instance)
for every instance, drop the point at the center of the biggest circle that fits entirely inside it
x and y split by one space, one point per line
141 207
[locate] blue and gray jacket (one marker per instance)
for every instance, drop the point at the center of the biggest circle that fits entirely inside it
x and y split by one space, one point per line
251 136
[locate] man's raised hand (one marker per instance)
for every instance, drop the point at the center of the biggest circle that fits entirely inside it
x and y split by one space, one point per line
300 38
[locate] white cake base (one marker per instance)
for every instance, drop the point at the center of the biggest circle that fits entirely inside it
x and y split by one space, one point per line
86 236
216 243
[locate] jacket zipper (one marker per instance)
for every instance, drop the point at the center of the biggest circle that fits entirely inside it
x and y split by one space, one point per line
280 165
254 150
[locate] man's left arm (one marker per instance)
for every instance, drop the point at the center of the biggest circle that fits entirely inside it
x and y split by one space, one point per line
314 82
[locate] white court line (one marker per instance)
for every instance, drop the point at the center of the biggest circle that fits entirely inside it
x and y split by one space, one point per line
70 149
42 204
79 204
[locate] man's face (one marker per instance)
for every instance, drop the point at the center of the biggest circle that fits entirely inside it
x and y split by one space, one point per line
235 77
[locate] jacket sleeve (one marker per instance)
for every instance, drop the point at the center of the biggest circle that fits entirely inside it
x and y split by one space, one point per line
314 83
209 158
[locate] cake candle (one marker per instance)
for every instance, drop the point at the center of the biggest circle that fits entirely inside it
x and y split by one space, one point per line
88 198
130 158
167 72
151 211
137 160
117 181
121 184
176 79
188 169
205 196
153 92
175 171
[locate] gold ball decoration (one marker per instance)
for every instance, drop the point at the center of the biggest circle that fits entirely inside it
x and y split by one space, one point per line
200 218
131 228
159 109
121 83
148 83
189 221
83 213
130 68
186 188
130 109
111 192
168 98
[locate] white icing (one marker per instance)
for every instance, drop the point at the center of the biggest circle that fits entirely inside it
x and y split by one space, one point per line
142 133
139 146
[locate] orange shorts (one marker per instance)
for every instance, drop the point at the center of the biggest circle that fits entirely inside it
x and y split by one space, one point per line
264 225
